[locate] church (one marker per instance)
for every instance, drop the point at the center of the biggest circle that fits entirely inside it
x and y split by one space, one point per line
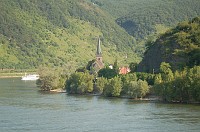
98 64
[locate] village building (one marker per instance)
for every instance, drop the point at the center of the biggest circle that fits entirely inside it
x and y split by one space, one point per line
124 70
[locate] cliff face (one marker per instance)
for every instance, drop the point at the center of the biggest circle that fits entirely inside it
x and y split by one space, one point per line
179 46
159 53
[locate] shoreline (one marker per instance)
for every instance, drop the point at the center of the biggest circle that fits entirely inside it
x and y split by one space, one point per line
14 74
146 99
10 77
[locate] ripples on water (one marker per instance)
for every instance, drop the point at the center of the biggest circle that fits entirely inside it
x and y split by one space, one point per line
23 108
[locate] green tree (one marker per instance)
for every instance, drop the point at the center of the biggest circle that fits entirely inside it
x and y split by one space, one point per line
107 73
133 89
166 72
183 88
126 79
158 79
116 67
80 83
143 88
100 84
133 66
113 87
138 89
50 78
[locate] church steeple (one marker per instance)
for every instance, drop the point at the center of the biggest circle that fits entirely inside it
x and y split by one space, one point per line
99 59
99 48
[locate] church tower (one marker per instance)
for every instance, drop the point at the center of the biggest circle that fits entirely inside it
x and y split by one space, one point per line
98 64
99 52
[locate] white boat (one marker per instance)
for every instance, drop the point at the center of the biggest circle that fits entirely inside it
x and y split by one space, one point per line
30 77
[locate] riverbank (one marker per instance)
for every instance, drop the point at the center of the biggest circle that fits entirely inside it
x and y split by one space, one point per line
11 75
60 90
149 98
15 73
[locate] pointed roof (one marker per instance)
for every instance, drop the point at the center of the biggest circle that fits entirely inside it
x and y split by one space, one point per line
99 47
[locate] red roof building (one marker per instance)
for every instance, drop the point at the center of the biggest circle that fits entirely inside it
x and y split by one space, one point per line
124 70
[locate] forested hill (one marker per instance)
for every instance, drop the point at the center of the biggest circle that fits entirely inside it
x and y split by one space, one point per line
179 46
58 33
140 18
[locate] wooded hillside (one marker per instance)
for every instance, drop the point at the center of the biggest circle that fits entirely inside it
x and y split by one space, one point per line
141 18
58 33
179 46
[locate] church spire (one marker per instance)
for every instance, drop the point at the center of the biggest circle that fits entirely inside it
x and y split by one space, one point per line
99 47
98 64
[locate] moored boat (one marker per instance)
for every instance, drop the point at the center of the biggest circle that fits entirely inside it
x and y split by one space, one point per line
30 77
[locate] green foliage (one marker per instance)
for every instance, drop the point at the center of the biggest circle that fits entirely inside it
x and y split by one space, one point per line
100 84
146 77
81 69
116 67
80 83
51 78
133 87
185 86
89 64
158 79
113 87
194 57
133 67
166 72
57 33
133 90
178 46
107 73
140 17
126 79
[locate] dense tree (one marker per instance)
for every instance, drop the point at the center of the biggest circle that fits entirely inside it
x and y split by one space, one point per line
107 73
146 76
158 79
126 79
133 67
89 64
166 72
51 78
178 46
80 83
138 89
113 87
100 84
132 90
116 67
184 87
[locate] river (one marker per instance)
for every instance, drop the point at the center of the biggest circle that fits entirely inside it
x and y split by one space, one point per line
24 109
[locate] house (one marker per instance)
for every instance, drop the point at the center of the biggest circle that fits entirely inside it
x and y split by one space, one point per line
124 70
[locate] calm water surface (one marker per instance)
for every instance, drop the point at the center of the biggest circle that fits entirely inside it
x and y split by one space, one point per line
24 109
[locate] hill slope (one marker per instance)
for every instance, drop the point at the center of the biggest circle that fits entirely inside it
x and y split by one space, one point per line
141 18
179 46
58 33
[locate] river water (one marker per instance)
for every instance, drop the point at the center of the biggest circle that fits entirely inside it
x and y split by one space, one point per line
24 109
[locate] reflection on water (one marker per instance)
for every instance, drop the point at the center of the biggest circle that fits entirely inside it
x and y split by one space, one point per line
23 108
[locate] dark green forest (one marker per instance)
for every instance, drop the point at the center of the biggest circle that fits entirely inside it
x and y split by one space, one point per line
179 46
141 18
